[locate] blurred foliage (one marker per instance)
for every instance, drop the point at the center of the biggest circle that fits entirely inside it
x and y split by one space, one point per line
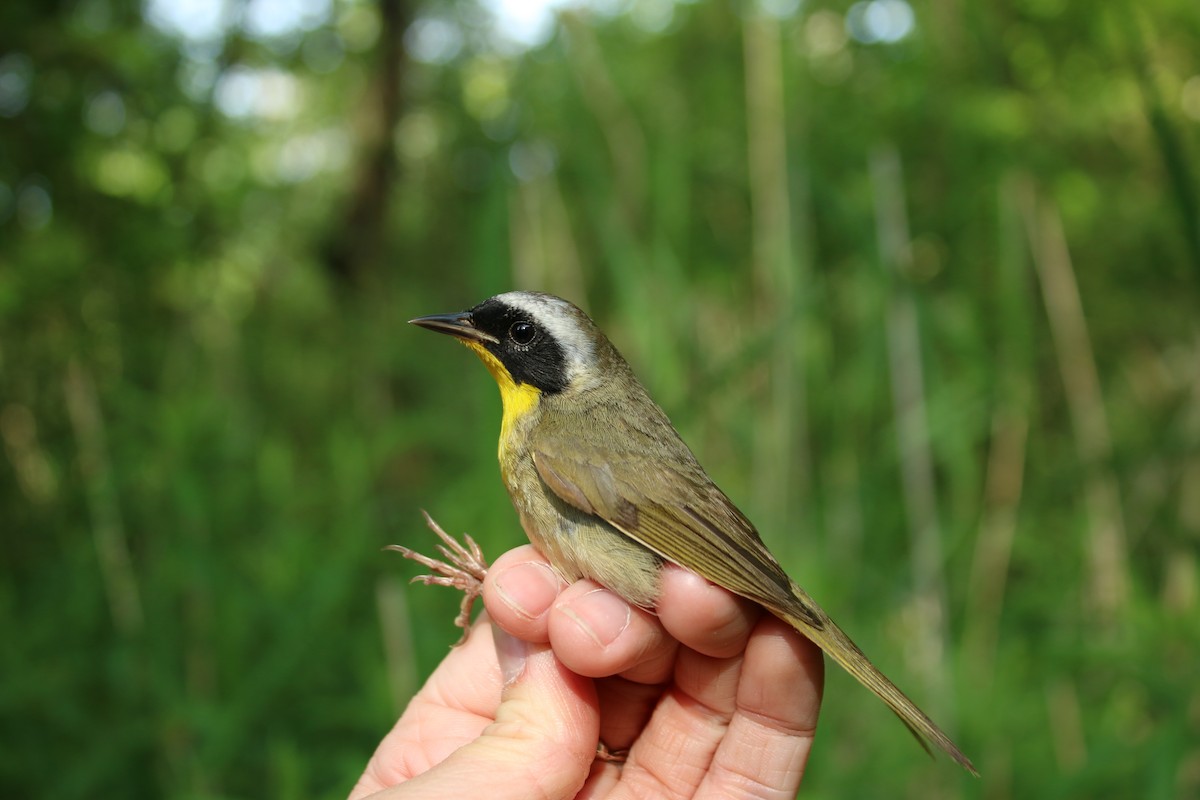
918 283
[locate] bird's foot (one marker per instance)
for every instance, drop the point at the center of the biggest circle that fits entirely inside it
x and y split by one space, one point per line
464 569
610 756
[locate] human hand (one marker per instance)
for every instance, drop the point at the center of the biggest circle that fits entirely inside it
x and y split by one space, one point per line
711 697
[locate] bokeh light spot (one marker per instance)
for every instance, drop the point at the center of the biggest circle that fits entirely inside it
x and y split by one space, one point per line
653 16
16 75
433 40
190 19
272 19
105 113
35 207
175 129
780 9
531 160
880 21
130 173
1189 97
824 33
486 88
417 136
522 24
323 52
271 94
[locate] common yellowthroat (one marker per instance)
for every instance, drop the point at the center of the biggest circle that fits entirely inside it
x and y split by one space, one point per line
607 490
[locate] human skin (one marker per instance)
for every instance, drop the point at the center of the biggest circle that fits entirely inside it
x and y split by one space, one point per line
709 696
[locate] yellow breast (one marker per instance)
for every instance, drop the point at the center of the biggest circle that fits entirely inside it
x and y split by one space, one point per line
518 399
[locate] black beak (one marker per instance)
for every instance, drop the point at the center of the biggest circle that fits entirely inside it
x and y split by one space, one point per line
459 325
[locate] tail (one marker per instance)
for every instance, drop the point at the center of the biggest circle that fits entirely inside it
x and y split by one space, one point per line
814 623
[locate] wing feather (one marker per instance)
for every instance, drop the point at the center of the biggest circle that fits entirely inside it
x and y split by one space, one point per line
687 521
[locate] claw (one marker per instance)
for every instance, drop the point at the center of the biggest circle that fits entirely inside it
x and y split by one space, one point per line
610 756
464 569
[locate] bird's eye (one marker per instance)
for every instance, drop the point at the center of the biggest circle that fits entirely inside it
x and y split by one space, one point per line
522 332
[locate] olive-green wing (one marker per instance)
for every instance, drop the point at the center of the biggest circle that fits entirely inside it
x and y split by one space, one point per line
681 515
676 512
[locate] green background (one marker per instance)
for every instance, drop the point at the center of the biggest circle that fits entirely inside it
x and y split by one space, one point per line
923 299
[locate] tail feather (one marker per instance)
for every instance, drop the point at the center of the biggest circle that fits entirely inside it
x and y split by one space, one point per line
833 640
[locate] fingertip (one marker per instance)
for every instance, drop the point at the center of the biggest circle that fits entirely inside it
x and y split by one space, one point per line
541 741
770 735
597 633
783 676
597 613
550 715
704 616
519 591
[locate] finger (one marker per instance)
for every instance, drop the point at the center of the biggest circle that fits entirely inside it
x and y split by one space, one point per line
541 744
597 633
764 751
739 726
701 616
451 709
625 708
673 753
519 591
704 616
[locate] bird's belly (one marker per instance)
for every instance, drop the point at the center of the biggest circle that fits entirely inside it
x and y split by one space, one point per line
580 545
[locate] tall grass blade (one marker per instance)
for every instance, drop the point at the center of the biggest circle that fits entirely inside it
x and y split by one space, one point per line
1107 590
781 457
1010 429
108 529
912 428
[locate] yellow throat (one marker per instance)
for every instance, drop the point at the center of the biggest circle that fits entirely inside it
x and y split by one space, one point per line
518 399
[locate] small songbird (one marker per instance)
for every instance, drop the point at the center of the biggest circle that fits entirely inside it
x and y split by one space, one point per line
607 490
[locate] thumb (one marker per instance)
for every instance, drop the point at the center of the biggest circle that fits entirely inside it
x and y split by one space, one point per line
542 743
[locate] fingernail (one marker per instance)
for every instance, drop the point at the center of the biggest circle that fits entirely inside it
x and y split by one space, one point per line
528 589
601 614
511 653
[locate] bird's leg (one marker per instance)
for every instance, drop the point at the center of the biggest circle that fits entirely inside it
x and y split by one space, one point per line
464 569
610 756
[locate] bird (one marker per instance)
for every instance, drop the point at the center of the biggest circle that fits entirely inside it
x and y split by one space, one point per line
606 488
